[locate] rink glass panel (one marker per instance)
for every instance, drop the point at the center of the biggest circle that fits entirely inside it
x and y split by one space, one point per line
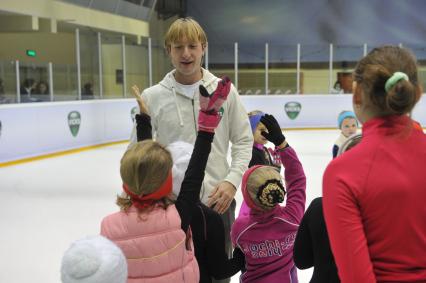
89 62
112 66
314 68
7 82
282 71
161 63
137 70
345 58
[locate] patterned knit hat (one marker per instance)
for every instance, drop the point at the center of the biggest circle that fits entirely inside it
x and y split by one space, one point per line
272 190
94 260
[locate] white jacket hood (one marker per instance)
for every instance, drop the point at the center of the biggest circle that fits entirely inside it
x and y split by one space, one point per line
209 81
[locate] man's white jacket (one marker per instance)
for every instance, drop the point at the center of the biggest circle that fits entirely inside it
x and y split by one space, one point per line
174 117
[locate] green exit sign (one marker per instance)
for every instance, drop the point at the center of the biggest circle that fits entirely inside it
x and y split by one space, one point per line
31 53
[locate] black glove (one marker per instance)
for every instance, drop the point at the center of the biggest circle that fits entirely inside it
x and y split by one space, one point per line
274 135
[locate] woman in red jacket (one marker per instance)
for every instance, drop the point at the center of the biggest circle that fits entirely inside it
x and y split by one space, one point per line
374 195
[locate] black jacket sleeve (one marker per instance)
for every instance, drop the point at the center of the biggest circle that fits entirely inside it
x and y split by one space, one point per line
303 252
219 266
335 150
193 180
143 127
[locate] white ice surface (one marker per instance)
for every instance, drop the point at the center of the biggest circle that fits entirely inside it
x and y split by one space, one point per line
47 204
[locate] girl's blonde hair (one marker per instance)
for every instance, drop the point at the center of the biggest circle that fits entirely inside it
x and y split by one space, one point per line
185 27
258 178
144 168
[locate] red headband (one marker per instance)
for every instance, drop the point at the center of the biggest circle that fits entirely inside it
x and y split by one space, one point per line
147 200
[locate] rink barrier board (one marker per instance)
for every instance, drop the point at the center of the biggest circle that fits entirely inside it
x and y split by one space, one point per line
36 130
96 146
59 153
77 150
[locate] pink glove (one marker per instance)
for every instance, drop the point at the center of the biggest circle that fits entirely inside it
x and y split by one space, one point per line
210 104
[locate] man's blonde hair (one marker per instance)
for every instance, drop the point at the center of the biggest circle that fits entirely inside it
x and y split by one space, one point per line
144 168
259 177
185 27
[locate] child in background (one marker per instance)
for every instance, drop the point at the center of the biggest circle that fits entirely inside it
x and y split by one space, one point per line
93 260
312 245
261 155
152 231
206 224
266 235
348 124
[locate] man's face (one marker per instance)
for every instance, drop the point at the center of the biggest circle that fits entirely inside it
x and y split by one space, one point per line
186 58
349 127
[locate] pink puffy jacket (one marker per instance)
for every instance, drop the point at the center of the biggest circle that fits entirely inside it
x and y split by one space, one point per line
154 244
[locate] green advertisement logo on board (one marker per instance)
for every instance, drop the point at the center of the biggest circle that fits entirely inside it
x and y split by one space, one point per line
220 112
133 112
74 121
292 109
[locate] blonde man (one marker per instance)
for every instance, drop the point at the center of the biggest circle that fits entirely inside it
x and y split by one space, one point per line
173 105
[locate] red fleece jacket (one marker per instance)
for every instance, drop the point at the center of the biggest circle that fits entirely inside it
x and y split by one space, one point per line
375 204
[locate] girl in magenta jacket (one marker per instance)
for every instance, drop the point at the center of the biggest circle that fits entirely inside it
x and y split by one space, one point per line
151 229
374 194
266 234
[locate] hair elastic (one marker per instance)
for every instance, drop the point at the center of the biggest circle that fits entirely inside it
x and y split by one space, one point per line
396 77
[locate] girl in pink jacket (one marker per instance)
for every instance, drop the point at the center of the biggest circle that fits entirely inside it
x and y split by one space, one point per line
152 230
266 234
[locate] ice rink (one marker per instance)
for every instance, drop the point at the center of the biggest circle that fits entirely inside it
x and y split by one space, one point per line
47 204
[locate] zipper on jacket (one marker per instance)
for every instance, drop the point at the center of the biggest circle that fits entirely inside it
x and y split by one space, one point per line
193 115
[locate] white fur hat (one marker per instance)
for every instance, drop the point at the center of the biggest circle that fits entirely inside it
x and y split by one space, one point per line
93 259
181 154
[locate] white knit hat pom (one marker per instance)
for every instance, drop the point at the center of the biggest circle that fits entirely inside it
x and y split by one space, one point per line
94 260
83 260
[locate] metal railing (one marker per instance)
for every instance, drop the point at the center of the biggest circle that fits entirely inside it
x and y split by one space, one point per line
278 69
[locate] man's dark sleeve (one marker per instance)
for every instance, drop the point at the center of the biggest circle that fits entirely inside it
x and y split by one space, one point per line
189 193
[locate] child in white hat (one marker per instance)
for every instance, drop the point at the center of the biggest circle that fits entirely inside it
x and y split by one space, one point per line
93 259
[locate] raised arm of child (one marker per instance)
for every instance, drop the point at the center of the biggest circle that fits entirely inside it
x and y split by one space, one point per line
294 175
219 266
208 120
143 120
